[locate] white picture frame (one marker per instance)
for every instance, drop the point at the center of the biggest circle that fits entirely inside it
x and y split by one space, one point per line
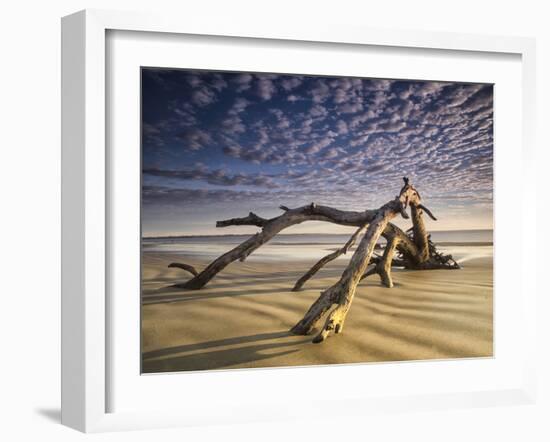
85 202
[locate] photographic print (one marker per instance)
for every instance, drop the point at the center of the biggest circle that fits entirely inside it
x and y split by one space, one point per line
301 220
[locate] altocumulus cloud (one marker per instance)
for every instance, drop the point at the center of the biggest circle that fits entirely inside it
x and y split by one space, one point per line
249 138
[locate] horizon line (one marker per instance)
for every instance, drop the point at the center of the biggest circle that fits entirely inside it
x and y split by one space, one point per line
285 234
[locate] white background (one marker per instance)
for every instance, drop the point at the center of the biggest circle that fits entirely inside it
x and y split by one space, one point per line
29 221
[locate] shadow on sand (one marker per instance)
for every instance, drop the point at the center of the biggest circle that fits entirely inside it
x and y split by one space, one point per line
176 295
164 360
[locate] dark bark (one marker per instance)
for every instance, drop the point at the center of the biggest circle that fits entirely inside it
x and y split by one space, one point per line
186 267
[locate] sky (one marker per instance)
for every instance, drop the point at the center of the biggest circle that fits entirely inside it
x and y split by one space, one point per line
217 145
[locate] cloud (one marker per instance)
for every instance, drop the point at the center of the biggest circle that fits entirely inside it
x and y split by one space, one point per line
332 138
351 108
233 125
194 138
195 199
152 135
218 177
342 127
291 83
319 145
318 111
429 88
242 81
239 106
320 92
265 87
218 82
203 97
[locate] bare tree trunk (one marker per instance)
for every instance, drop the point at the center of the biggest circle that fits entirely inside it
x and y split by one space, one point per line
428 256
420 236
341 294
385 263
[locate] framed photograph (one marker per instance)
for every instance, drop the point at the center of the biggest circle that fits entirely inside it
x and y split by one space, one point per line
233 196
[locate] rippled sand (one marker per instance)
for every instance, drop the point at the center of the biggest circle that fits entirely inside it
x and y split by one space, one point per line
242 317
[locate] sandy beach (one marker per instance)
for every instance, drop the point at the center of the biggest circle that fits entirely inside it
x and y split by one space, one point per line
241 319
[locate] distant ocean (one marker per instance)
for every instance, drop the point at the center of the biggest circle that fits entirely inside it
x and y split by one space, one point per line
306 246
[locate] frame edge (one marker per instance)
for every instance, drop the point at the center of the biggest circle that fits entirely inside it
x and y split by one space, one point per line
73 80
83 344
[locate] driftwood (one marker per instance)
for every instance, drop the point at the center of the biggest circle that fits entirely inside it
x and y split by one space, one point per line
412 250
290 217
325 260
186 267
341 294
383 264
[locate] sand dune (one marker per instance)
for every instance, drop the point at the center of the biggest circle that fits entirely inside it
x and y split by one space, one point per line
241 319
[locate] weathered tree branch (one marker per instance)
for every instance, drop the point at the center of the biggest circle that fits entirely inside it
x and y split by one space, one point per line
341 294
326 259
273 226
384 264
425 209
251 220
186 267
420 236
415 252
424 258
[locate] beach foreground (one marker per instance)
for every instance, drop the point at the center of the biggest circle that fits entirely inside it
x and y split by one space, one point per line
241 319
